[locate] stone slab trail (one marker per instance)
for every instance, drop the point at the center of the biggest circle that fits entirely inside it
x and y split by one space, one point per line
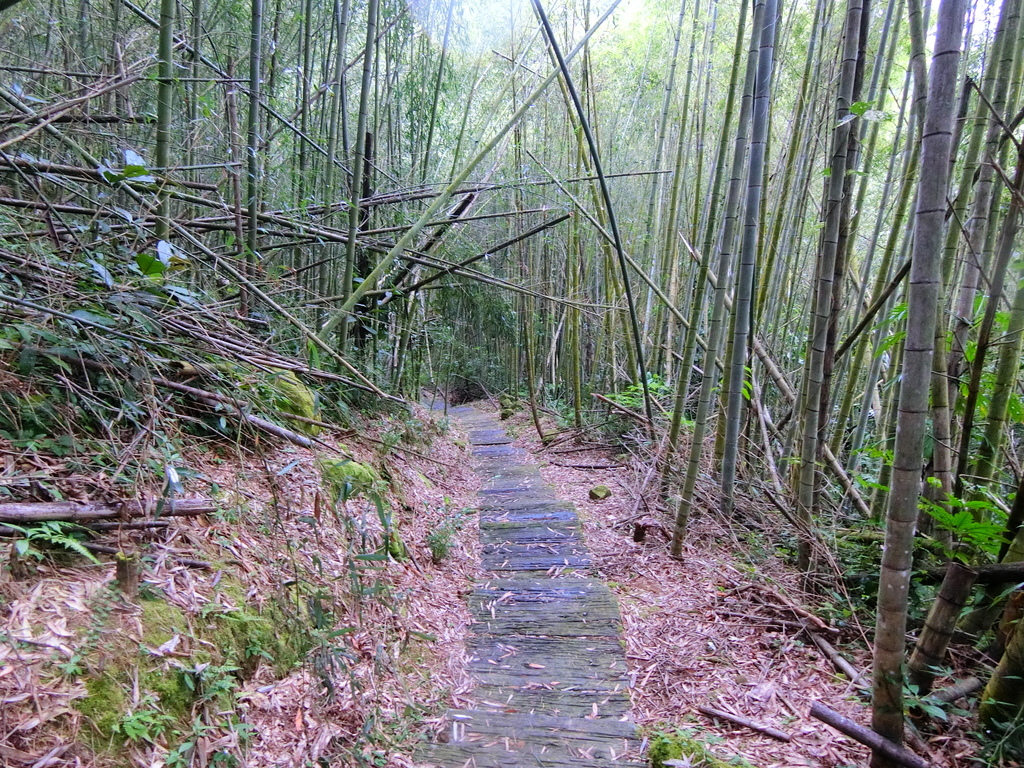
552 689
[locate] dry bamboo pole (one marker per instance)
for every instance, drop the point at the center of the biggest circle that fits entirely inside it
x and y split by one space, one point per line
1011 344
881 71
991 104
815 391
609 210
799 127
252 174
700 286
357 165
930 650
984 341
652 217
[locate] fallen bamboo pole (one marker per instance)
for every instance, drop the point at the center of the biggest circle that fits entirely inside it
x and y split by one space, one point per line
74 511
767 730
867 737
105 550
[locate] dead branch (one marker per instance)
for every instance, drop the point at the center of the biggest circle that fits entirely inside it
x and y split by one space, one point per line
838 661
74 511
867 737
767 730
958 690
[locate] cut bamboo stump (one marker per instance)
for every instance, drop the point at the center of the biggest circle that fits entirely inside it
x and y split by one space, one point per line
930 651
551 678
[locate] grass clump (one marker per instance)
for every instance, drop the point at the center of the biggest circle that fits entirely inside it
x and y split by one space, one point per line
441 539
684 745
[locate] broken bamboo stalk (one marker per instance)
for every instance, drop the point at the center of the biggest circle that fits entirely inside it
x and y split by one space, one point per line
236 407
838 660
878 743
767 730
74 511
989 573
930 650
958 690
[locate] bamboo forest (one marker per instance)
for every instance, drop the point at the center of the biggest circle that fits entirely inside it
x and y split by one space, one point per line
481 384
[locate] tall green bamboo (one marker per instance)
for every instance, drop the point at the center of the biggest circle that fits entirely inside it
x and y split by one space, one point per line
742 307
925 284
825 276
725 259
165 109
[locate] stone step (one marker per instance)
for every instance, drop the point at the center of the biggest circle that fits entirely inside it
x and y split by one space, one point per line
568 702
527 739
496 755
489 436
501 452
559 608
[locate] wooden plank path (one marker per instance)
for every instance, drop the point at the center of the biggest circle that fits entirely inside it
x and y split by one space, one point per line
552 686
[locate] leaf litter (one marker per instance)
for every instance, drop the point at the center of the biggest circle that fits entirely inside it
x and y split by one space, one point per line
720 628
380 675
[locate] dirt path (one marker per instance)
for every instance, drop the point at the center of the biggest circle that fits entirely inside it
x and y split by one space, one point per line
552 689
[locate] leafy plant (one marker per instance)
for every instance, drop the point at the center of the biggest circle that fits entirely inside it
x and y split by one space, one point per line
54 533
969 521
146 724
441 538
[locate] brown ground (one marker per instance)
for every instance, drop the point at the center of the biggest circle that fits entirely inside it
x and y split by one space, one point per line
718 628
403 648
697 631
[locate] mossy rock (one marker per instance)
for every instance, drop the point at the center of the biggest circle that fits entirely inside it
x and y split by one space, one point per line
394 546
347 479
508 405
600 492
683 746
292 396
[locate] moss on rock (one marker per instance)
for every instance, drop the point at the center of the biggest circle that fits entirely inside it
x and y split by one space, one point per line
346 479
292 396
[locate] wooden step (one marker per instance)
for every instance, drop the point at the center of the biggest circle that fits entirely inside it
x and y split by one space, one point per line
540 512
580 608
496 756
527 533
595 665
